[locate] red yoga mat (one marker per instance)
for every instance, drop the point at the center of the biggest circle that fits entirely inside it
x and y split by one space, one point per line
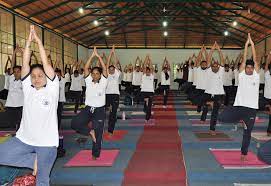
118 135
84 159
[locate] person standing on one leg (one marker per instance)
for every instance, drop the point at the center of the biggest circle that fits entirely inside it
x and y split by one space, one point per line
165 81
137 78
247 97
94 112
214 88
147 87
36 140
112 91
155 74
227 83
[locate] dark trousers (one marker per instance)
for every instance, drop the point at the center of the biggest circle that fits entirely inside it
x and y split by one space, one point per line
198 98
4 94
83 95
136 92
155 83
217 103
80 124
76 95
59 113
68 85
261 88
265 103
234 115
165 90
113 101
12 117
227 90
264 152
128 87
147 107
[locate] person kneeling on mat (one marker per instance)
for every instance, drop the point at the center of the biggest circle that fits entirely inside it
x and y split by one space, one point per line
36 141
94 111
247 98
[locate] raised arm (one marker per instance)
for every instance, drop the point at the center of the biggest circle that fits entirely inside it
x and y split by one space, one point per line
268 62
26 56
222 61
210 55
88 64
49 71
105 70
243 64
6 66
254 56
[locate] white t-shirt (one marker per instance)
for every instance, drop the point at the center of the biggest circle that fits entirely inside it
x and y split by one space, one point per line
262 75
68 77
227 78
215 82
147 83
76 84
39 121
113 83
155 75
15 94
190 74
95 92
236 77
62 97
129 77
137 78
83 83
202 76
179 75
195 73
6 86
163 78
267 87
248 90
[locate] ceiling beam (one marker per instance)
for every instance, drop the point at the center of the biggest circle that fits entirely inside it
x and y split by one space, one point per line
165 1
81 17
65 14
263 4
49 8
24 4
125 39
105 24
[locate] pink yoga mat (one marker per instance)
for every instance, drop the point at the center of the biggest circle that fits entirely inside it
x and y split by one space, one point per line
84 159
230 158
118 135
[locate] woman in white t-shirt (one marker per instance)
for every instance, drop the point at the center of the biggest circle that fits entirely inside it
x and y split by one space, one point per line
165 81
4 92
155 74
147 87
94 112
36 141
247 98
179 76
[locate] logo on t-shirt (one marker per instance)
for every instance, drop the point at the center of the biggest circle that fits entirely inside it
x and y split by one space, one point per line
45 102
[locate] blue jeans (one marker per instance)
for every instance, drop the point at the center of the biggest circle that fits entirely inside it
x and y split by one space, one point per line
18 154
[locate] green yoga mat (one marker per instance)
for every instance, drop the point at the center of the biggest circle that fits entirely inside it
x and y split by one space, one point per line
4 138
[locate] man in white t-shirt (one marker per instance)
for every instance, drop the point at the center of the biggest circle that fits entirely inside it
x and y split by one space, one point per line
165 81
262 77
76 88
247 98
136 82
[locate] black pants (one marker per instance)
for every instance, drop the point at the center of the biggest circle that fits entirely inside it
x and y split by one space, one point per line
4 94
83 95
80 124
68 85
261 88
234 115
136 92
59 113
198 98
165 90
113 101
227 90
128 87
11 117
263 103
155 83
147 107
217 103
76 95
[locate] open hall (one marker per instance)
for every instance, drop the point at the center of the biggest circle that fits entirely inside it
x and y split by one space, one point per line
135 93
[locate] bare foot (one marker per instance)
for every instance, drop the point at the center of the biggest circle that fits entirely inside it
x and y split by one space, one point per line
212 132
94 158
243 158
92 135
35 169
202 122
110 135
